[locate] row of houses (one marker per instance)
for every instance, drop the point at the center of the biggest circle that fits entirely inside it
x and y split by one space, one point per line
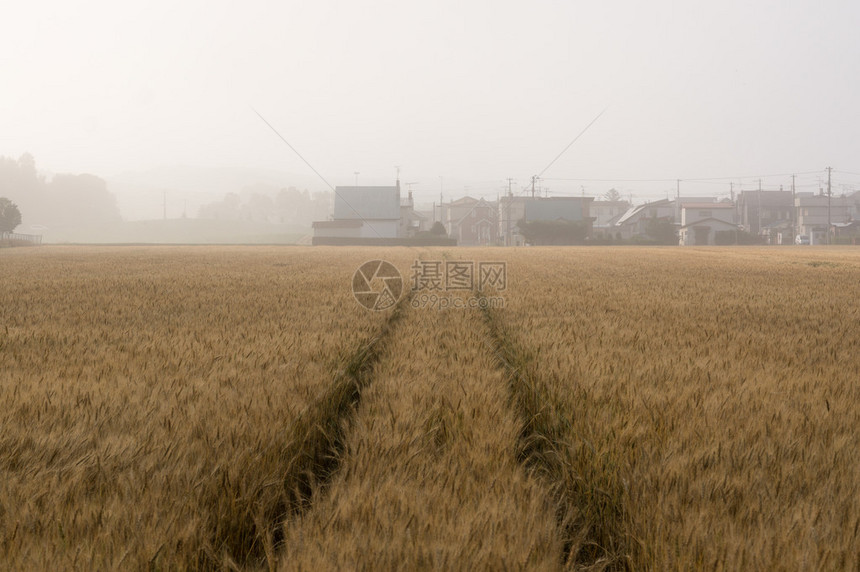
773 217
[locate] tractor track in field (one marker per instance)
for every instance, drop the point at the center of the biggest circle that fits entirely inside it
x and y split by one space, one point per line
312 454
318 436
590 524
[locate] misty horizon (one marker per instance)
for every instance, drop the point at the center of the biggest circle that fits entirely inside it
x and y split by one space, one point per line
460 97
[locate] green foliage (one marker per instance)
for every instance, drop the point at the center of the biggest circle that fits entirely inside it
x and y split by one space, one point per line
727 237
553 232
438 229
612 195
10 215
661 230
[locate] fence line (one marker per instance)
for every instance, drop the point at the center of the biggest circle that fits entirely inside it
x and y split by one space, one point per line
34 238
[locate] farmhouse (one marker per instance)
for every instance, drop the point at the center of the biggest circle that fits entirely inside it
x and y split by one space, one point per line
769 214
815 212
636 220
473 222
606 214
702 223
363 213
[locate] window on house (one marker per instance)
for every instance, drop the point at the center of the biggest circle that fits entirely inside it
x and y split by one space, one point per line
705 214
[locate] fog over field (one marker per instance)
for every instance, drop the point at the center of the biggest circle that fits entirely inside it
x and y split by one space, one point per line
399 285
461 96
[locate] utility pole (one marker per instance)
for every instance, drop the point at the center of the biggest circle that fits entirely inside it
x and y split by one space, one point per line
794 208
441 202
829 169
677 201
508 204
738 213
533 185
758 208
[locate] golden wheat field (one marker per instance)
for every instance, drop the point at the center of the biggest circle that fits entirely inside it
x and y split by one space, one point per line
236 408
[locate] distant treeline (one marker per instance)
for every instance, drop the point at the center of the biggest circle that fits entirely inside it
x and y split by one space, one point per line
65 200
264 204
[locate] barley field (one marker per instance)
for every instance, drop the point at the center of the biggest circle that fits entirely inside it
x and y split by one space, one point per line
236 408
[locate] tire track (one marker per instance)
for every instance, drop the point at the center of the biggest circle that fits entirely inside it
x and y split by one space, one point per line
429 478
590 503
251 526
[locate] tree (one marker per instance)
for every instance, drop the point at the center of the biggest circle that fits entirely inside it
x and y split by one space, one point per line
553 232
81 200
661 230
438 229
612 195
10 216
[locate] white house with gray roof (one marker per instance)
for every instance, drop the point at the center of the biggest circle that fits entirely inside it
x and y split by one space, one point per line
363 212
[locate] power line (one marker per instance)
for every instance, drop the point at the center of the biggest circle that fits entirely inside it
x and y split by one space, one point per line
686 179
846 172
613 180
376 232
575 139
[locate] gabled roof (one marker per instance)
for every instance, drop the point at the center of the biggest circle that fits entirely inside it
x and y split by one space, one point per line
568 208
367 203
477 202
633 211
342 223
766 198
721 222
707 206
463 201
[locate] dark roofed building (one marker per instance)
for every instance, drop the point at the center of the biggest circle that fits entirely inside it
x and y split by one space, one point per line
571 209
758 210
363 213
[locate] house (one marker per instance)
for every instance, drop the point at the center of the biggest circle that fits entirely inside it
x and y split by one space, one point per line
846 232
606 214
473 222
767 213
363 213
703 222
512 209
635 222
571 209
559 210
411 221
817 213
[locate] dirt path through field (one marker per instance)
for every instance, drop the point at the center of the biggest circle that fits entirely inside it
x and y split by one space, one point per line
429 476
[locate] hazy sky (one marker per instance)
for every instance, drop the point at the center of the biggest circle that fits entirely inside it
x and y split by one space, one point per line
470 91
